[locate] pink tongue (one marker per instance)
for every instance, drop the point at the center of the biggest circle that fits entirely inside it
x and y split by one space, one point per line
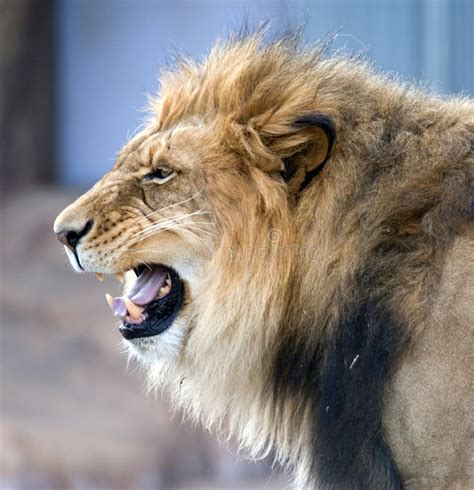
143 291
147 285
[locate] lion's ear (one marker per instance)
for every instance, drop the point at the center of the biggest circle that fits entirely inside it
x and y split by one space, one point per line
309 145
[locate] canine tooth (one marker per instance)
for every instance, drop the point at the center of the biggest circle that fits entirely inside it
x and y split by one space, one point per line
168 280
99 276
134 310
119 277
109 299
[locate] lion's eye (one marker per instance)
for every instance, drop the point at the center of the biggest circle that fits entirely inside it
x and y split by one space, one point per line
161 175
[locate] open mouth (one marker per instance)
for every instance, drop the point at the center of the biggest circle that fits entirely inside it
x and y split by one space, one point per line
151 302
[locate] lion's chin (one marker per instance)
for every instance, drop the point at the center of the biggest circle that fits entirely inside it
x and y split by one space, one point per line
164 347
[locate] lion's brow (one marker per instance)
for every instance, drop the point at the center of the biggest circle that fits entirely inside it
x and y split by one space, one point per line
131 148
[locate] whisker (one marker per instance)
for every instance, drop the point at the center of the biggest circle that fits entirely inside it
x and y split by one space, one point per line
186 228
180 227
165 222
150 230
171 227
171 218
173 205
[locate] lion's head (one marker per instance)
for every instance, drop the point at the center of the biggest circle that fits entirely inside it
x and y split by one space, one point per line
197 210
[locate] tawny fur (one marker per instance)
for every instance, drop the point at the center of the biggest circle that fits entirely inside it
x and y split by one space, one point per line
264 261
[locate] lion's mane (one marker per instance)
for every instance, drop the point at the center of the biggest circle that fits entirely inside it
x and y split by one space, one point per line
316 292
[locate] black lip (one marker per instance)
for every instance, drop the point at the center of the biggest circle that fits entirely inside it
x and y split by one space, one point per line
160 313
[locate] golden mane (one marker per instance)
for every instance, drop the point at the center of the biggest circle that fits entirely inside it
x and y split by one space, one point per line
382 217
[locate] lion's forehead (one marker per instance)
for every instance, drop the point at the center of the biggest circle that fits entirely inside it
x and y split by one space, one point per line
180 145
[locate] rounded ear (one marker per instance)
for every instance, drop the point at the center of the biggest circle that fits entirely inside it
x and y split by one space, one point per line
315 136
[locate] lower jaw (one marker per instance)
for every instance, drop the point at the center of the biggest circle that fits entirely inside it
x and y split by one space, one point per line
160 349
160 314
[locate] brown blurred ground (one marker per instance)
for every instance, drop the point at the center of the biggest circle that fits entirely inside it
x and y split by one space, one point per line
73 416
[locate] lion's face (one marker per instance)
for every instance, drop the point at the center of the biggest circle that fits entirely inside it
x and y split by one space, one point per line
190 224
190 211
151 218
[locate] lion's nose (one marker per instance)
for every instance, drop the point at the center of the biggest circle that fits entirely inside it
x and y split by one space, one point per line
71 238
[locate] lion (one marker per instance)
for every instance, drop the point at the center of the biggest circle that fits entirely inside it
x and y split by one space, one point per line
296 236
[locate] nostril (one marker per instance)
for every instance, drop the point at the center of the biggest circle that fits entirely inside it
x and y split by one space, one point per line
70 238
65 237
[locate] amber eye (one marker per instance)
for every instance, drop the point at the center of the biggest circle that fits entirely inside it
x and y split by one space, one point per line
161 175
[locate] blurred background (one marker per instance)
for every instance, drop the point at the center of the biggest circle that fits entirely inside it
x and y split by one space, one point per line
73 78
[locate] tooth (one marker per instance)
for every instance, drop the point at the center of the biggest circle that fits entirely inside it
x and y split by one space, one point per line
99 276
109 299
168 280
134 310
164 291
119 277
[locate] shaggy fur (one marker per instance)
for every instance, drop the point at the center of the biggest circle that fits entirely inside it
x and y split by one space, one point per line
330 282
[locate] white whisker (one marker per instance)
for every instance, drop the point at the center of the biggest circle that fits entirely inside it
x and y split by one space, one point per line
165 222
199 212
173 205
150 230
